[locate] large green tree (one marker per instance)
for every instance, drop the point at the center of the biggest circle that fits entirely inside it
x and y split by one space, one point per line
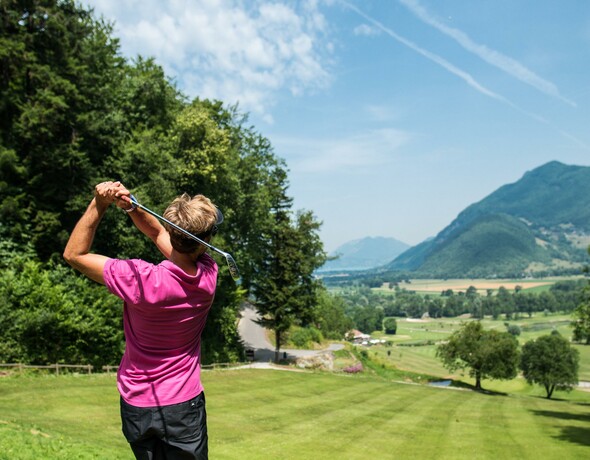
550 361
60 68
284 286
486 354
581 323
329 315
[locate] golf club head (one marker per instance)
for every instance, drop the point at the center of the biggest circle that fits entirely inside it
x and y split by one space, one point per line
233 267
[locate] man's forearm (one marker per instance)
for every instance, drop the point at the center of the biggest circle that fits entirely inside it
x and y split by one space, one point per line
82 236
146 223
151 227
77 250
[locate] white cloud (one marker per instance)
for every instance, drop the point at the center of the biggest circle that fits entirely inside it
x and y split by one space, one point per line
365 29
352 153
465 76
236 51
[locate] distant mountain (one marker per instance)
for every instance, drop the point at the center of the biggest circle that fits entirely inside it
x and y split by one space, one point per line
365 253
537 225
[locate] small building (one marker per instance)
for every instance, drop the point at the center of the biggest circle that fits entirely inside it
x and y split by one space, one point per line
357 337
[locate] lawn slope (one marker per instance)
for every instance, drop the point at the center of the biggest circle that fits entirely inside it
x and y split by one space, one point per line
266 414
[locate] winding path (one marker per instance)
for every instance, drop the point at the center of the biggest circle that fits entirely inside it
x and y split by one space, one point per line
254 336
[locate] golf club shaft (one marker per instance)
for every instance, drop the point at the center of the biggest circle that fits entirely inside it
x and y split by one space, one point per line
231 263
180 229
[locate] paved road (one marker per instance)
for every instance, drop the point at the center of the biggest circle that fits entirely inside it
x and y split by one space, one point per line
254 336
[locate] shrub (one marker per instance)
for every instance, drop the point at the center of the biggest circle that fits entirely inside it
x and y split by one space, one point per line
354 369
51 315
514 330
390 325
305 337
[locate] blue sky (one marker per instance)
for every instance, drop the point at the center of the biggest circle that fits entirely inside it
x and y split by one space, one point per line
392 115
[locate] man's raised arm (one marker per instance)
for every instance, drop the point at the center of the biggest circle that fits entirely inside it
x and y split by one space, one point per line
145 222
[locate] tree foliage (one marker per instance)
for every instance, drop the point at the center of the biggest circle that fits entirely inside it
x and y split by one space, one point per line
390 325
58 90
330 315
487 354
52 315
284 288
550 361
73 112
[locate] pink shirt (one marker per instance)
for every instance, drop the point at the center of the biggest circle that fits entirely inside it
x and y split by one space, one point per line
164 314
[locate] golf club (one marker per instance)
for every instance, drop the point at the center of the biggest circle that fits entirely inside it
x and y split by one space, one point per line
231 263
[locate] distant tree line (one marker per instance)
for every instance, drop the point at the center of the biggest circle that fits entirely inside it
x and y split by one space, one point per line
373 279
368 308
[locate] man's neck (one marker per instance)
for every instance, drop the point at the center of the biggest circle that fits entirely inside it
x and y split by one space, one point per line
186 262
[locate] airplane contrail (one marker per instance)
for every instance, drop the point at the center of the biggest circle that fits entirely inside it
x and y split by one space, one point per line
505 63
465 76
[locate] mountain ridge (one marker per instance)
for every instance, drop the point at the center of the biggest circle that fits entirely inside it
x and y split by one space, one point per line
542 226
364 253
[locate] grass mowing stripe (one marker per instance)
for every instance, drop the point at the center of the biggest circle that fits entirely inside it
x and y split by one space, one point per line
44 415
381 409
432 431
494 417
255 414
403 426
317 400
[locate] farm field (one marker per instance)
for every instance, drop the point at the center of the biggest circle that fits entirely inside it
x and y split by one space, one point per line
436 286
269 414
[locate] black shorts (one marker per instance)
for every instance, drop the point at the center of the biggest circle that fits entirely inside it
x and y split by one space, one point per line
178 431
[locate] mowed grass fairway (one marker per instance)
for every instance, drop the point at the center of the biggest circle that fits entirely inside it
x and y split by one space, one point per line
270 414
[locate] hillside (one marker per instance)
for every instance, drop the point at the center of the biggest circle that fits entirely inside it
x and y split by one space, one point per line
364 254
537 225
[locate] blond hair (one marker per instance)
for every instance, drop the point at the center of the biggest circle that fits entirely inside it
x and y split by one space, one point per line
197 215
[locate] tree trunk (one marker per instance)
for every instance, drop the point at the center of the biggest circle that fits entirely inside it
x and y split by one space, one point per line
549 389
478 381
277 345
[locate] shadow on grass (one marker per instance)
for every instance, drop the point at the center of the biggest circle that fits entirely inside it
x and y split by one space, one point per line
574 434
468 386
563 416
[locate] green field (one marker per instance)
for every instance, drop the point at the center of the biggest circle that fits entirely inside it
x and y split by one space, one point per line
268 414
436 286
424 334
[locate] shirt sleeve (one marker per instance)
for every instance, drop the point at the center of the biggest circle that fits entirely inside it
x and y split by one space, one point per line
122 278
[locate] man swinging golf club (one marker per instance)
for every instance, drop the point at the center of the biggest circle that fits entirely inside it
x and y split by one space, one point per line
164 313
